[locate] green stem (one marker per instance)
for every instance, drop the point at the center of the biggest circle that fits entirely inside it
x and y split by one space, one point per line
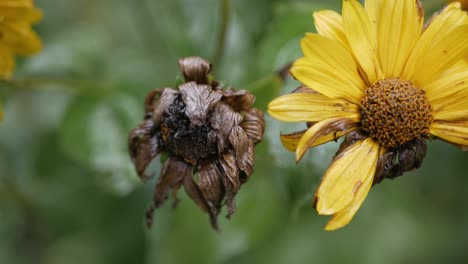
220 46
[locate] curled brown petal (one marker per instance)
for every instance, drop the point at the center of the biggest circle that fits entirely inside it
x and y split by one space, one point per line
194 193
195 69
199 99
248 163
222 121
240 144
212 190
143 147
172 174
231 180
168 96
238 100
253 124
151 102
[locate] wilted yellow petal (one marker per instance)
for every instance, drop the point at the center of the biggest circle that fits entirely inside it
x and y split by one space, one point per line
297 107
290 141
324 131
362 38
455 132
351 170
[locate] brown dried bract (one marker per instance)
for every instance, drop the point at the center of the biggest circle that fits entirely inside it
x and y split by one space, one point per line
209 134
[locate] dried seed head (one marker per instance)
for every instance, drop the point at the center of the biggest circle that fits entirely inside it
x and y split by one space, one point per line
394 112
207 131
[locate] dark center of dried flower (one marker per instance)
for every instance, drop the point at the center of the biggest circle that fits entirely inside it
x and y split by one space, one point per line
182 139
395 111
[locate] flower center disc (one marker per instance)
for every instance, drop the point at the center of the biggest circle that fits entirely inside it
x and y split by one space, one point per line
191 143
394 112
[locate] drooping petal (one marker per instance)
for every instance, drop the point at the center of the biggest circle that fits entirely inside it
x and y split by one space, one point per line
172 175
362 39
143 147
324 130
437 41
350 171
299 107
291 141
455 132
328 68
253 124
151 102
231 181
398 25
330 24
248 163
199 99
211 188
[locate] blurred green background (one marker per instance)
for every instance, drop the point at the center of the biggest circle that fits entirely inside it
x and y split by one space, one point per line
68 192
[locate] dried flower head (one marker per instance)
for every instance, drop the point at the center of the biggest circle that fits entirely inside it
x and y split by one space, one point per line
380 77
209 134
16 34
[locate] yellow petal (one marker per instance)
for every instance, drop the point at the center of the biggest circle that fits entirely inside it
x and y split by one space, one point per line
438 35
353 169
7 62
14 10
448 83
330 24
20 37
362 38
455 132
454 107
323 130
443 55
345 216
398 25
291 141
298 107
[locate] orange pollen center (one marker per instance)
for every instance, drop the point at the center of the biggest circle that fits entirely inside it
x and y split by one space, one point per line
395 111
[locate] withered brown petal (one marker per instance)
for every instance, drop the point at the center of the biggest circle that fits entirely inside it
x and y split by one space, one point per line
231 180
172 174
151 102
248 163
191 188
240 144
195 69
253 124
304 89
143 147
168 96
198 99
211 188
238 100
222 121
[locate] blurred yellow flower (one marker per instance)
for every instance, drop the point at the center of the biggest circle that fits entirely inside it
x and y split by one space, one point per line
16 34
385 81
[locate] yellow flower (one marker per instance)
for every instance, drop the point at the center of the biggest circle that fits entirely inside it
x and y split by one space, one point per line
16 34
385 81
